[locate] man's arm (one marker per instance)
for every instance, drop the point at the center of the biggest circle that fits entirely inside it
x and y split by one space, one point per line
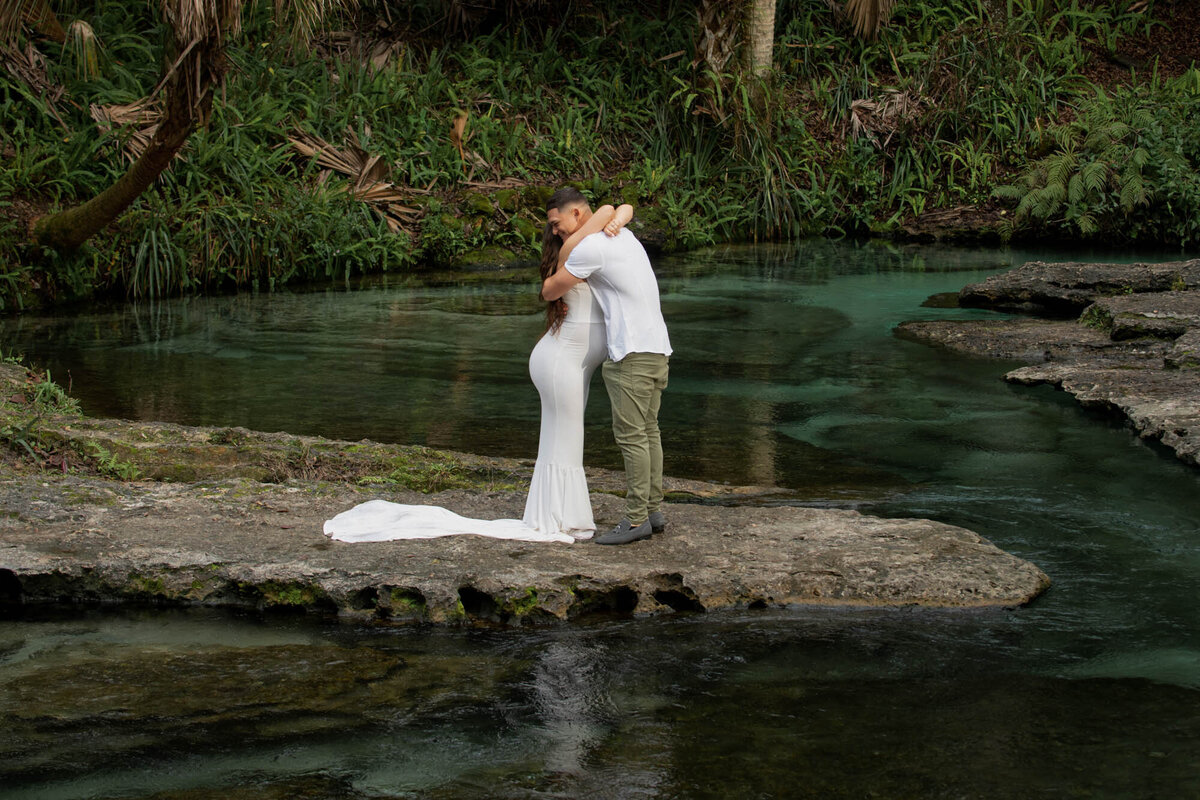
558 284
606 219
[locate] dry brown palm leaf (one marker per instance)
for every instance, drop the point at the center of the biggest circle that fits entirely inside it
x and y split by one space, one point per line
85 48
367 175
29 67
135 121
868 16
387 201
35 13
383 51
379 192
457 128
871 118
194 21
348 162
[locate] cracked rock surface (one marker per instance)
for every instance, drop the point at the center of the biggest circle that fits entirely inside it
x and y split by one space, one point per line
241 542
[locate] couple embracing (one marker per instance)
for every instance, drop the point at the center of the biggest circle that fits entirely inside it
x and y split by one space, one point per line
603 308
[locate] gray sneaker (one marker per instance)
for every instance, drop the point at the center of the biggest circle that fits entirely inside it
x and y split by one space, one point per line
658 521
624 533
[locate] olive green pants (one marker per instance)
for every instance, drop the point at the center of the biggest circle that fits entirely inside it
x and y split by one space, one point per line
635 385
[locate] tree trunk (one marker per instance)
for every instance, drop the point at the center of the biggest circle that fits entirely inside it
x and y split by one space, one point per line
67 230
189 97
760 37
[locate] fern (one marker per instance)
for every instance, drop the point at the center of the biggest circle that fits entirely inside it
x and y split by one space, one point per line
1075 189
1094 176
1133 190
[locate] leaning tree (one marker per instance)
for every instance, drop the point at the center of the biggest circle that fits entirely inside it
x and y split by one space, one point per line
194 69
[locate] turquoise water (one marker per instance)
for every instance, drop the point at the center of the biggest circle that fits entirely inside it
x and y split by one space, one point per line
786 373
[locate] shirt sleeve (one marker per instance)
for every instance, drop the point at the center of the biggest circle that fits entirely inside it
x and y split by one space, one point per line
585 258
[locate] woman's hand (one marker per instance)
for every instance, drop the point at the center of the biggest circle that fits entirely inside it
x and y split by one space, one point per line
620 219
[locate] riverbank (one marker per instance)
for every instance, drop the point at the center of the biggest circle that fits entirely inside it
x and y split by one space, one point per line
231 517
1129 343
398 144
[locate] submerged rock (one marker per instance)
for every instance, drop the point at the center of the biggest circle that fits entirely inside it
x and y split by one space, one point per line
74 713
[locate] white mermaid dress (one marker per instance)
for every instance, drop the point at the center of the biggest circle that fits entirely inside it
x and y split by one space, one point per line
558 508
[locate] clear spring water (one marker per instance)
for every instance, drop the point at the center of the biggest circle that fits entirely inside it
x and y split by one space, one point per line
785 373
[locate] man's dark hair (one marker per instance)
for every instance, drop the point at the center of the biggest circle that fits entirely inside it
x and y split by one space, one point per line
566 196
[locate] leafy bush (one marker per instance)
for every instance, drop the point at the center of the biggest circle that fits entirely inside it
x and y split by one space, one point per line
1124 169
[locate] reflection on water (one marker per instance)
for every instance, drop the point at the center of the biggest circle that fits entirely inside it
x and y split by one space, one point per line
812 703
785 373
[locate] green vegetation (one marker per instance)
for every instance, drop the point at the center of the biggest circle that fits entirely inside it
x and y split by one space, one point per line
424 470
1129 160
406 604
30 400
520 604
276 594
395 145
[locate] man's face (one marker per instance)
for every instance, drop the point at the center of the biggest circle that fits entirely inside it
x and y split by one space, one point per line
563 221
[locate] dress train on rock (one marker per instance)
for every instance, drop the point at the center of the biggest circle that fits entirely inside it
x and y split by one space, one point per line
558 508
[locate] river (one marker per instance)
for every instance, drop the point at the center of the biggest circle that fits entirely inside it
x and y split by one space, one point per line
785 373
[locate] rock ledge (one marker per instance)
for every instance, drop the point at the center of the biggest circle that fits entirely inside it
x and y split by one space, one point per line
1134 349
239 542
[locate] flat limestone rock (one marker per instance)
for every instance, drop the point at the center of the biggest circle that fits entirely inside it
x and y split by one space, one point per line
1066 289
1185 353
243 543
1163 315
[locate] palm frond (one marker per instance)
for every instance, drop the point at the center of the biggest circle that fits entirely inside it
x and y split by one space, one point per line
868 16
307 16
367 174
14 14
84 47
139 120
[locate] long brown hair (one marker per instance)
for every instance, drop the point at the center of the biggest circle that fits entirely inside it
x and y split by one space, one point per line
556 310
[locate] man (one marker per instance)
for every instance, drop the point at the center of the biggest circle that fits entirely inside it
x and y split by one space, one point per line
618 271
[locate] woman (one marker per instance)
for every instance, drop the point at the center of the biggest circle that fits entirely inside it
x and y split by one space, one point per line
557 508
561 366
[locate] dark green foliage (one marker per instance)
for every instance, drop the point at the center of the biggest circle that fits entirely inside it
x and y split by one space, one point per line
954 97
1126 168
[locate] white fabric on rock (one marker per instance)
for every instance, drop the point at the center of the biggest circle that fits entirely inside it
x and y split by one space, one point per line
557 508
382 521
